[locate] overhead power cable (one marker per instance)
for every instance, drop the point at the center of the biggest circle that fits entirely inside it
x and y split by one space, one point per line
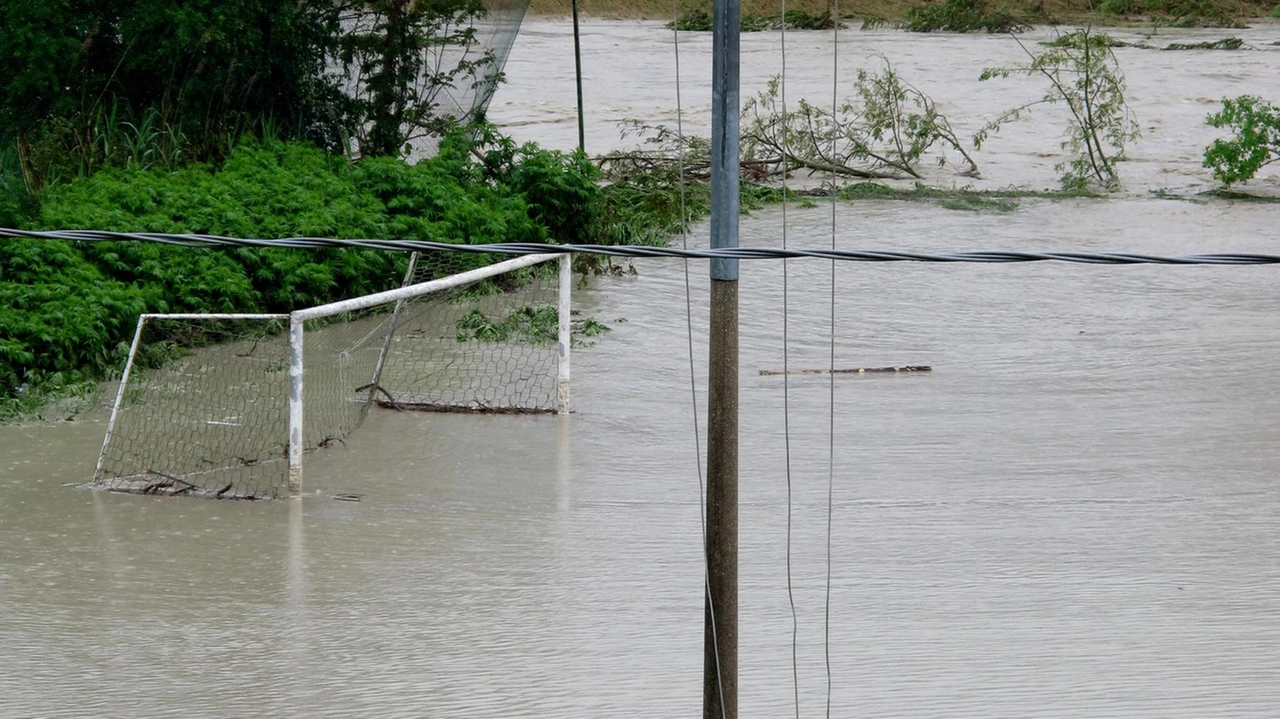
640 251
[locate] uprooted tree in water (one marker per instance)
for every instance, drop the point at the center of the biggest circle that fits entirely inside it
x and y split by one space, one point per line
1085 76
884 132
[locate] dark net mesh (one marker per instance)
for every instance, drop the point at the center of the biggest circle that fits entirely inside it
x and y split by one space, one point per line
495 33
205 408
449 79
204 411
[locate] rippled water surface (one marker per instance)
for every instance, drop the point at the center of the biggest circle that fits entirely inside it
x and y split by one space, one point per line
1074 515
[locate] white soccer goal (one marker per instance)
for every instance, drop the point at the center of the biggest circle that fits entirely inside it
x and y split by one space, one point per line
227 405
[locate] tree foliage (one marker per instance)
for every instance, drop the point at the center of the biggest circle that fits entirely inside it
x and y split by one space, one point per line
1083 75
883 132
401 60
1254 143
963 16
95 83
210 70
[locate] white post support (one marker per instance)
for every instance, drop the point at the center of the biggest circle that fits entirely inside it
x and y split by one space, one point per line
115 408
566 335
295 405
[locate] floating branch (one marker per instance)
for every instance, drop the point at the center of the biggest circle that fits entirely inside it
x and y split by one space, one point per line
459 408
854 370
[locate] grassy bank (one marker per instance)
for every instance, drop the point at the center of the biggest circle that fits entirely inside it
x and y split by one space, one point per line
1098 12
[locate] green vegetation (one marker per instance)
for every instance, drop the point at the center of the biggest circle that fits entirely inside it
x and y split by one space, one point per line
1183 13
1226 43
68 309
964 16
1084 75
883 133
700 20
1254 143
532 325
161 83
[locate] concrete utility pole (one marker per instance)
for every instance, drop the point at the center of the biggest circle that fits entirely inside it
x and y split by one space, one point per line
720 638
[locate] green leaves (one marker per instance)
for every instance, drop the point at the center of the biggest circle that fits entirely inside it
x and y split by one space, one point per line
401 64
1255 142
1084 75
71 307
962 16
881 133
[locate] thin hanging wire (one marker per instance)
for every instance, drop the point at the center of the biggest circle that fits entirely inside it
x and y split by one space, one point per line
786 384
693 377
831 386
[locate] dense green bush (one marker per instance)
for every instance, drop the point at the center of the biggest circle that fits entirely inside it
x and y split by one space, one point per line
560 188
1254 143
70 307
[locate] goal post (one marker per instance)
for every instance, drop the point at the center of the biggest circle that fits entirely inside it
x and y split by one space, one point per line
228 405
198 410
298 428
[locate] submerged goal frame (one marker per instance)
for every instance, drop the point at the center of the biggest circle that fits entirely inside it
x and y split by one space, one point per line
296 447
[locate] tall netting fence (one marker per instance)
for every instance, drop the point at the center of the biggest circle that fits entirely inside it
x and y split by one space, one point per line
495 32
454 73
202 408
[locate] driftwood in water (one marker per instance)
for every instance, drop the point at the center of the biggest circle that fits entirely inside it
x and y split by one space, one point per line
459 408
855 370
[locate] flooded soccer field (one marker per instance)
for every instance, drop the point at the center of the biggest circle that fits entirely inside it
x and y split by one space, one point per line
1073 515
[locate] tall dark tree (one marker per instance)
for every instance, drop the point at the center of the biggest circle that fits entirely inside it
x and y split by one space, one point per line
408 65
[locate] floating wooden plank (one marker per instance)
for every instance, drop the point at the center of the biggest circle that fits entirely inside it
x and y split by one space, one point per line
855 370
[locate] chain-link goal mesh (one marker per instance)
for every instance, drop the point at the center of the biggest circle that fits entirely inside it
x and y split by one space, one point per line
202 410
484 346
204 404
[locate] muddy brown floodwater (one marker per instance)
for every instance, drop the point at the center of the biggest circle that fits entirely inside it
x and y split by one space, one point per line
1074 515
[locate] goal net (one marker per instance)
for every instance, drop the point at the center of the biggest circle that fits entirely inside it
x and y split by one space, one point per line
203 408
226 405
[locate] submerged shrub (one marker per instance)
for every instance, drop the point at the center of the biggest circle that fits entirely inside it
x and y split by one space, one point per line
1254 143
1084 75
962 16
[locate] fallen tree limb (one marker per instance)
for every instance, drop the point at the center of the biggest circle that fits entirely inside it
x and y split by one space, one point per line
854 370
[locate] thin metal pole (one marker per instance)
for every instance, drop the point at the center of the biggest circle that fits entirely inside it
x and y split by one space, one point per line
374 384
565 333
577 65
720 637
115 408
295 405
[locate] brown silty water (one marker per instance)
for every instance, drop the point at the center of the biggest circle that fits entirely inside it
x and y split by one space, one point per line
1073 515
